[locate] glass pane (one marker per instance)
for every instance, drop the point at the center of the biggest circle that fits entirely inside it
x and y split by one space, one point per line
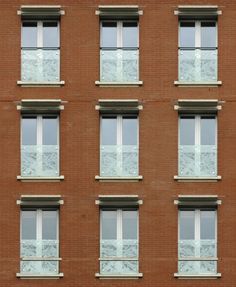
109 131
109 35
29 131
28 224
186 224
109 224
129 224
29 34
187 131
50 34
208 131
208 34
129 132
49 224
187 34
130 34
50 130
207 224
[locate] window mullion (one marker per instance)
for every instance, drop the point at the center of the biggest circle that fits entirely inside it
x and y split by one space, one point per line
198 34
119 34
40 34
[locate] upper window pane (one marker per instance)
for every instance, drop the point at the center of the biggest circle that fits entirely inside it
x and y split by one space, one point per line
50 34
28 224
109 131
129 224
130 34
109 224
109 35
187 130
29 34
130 127
50 130
207 224
29 131
208 131
187 225
187 34
208 34
49 225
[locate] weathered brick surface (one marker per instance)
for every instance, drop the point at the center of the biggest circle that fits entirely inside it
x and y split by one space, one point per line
79 141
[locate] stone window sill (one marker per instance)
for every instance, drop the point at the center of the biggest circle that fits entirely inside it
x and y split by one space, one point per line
39 178
197 276
119 178
40 84
41 276
198 84
119 276
197 178
119 84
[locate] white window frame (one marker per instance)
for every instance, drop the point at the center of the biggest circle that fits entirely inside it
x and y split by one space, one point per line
39 131
119 130
119 34
198 32
119 231
39 216
197 119
197 230
40 32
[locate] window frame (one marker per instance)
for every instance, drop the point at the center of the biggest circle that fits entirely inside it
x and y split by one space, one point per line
197 34
40 34
119 34
119 236
39 226
197 122
119 132
197 236
39 136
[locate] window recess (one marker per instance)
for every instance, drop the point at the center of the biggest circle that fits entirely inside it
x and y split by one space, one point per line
40 139
119 243
197 150
119 45
39 245
119 148
198 48
197 245
40 45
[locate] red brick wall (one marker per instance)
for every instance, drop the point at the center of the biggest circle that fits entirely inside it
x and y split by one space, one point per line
79 139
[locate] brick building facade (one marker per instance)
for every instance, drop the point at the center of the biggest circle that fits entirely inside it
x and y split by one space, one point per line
117 143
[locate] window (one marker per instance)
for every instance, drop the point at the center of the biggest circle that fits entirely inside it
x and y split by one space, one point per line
197 51
119 51
119 242
40 146
119 146
39 248
197 246
40 51
197 146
